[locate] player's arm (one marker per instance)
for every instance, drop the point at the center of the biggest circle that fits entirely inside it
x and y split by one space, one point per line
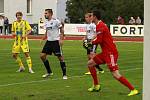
28 32
61 27
62 32
85 37
85 42
13 30
93 46
45 36
28 29
93 52
61 35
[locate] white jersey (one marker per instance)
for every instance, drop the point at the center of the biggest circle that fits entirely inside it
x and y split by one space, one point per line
52 27
90 30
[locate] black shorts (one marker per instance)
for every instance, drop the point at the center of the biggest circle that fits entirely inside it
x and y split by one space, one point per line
52 47
93 49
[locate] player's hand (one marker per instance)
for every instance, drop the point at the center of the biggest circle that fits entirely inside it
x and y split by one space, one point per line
14 34
85 44
90 45
60 42
23 37
92 54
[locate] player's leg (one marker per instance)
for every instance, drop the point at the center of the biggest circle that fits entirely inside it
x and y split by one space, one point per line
89 57
115 72
26 50
125 82
63 66
92 54
15 52
43 55
45 61
18 60
58 52
100 70
29 62
92 69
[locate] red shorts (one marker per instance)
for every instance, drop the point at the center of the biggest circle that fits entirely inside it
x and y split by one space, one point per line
109 59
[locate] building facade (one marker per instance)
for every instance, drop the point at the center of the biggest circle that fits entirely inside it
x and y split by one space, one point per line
33 10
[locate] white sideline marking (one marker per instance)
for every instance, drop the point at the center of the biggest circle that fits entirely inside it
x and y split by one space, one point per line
19 83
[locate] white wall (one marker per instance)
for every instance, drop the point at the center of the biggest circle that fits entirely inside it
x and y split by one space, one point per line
61 9
38 7
12 6
1 6
146 72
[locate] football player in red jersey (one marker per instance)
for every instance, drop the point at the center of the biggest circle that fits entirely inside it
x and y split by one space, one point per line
109 55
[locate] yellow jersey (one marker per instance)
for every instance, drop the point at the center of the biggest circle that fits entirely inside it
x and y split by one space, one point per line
20 28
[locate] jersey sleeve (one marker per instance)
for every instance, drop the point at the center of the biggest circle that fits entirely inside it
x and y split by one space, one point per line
28 27
59 24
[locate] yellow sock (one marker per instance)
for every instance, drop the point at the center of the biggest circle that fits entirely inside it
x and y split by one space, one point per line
29 62
18 60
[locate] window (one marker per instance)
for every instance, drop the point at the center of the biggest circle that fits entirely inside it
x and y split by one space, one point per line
29 6
1 6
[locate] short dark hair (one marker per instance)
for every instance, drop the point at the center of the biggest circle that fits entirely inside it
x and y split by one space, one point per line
89 14
19 13
97 13
49 10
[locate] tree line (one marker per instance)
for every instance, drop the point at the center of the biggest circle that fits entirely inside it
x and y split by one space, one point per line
110 9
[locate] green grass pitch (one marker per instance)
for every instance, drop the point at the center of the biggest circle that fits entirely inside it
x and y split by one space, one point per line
26 86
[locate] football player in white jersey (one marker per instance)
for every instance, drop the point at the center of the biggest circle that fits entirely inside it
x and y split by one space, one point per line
90 35
54 36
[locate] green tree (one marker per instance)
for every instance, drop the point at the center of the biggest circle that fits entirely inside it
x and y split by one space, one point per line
110 9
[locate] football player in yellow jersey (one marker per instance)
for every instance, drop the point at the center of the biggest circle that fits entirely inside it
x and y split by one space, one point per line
20 31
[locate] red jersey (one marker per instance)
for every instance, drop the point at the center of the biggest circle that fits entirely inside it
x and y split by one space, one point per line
104 39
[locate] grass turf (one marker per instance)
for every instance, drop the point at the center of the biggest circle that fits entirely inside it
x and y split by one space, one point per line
25 86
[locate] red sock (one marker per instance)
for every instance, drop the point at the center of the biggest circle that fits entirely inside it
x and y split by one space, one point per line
94 75
125 82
